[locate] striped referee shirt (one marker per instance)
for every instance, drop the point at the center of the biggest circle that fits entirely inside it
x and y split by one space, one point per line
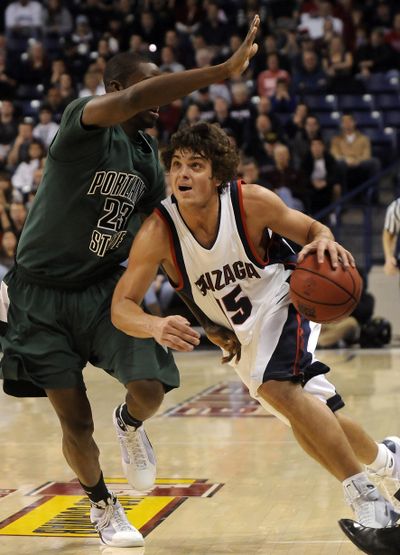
392 218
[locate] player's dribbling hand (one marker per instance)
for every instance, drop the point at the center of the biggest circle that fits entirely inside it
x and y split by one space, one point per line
337 253
175 332
239 61
226 340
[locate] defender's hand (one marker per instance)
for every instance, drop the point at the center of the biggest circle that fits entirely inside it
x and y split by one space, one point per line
225 339
239 61
175 332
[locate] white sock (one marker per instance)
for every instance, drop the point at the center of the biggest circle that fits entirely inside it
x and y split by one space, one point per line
384 462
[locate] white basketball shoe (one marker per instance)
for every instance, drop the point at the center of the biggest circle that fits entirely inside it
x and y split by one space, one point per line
113 527
138 459
370 508
388 477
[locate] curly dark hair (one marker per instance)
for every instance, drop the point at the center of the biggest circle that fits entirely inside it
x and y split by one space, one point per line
209 141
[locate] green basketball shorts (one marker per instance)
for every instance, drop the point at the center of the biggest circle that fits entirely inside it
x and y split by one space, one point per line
52 334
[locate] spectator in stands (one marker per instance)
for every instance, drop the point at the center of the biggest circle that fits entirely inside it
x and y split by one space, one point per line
261 143
188 17
57 19
46 129
58 67
250 173
352 149
286 181
392 38
7 82
263 106
322 176
282 101
24 19
56 102
82 36
22 178
374 57
267 79
214 27
301 142
168 61
34 69
390 238
8 129
92 84
295 124
8 248
6 190
17 215
309 76
203 100
242 110
313 23
382 15
66 88
148 28
19 149
192 115
223 118
338 66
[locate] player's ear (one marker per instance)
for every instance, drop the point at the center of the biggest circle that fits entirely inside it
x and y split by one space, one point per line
114 86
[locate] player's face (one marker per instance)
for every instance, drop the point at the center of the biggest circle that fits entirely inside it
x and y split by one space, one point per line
147 118
191 179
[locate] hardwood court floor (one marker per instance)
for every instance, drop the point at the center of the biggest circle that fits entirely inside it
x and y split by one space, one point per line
227 484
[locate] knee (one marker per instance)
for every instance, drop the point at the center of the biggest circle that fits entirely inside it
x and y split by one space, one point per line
147 394
280 394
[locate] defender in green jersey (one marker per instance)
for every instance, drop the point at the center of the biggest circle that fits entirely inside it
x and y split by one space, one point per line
102 172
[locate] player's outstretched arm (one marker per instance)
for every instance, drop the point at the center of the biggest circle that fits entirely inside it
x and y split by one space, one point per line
265 209
147 253
117 107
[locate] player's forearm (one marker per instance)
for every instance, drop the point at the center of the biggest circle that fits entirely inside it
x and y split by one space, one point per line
129 317
388 243
163 89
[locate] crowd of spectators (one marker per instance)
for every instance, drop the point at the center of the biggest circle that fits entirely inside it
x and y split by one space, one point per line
55 50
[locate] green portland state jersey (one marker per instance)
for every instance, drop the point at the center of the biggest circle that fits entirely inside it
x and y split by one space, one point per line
86 211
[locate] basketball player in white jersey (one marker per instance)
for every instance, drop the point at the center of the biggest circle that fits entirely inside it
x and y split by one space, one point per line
220 243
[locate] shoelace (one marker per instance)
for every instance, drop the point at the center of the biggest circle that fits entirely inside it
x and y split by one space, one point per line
136 449
116 513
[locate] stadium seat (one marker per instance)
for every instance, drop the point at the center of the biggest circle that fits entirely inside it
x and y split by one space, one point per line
384 143
328 119
368 119
387 101
382 83
350 102
29 108
321 103
391 118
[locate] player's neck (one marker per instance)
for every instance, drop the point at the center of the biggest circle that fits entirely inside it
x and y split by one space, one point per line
203 221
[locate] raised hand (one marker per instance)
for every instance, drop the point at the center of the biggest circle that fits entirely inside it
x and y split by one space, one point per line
239 61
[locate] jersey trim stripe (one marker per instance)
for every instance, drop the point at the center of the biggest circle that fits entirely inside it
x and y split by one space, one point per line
174 246
238 208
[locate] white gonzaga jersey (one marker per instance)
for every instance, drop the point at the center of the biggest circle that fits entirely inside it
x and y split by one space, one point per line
238 289
229 282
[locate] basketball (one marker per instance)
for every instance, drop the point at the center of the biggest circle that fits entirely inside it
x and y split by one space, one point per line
324 294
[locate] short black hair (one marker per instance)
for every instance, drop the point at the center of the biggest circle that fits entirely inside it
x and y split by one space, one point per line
121 66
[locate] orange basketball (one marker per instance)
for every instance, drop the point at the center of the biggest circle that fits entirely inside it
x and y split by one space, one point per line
323 294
